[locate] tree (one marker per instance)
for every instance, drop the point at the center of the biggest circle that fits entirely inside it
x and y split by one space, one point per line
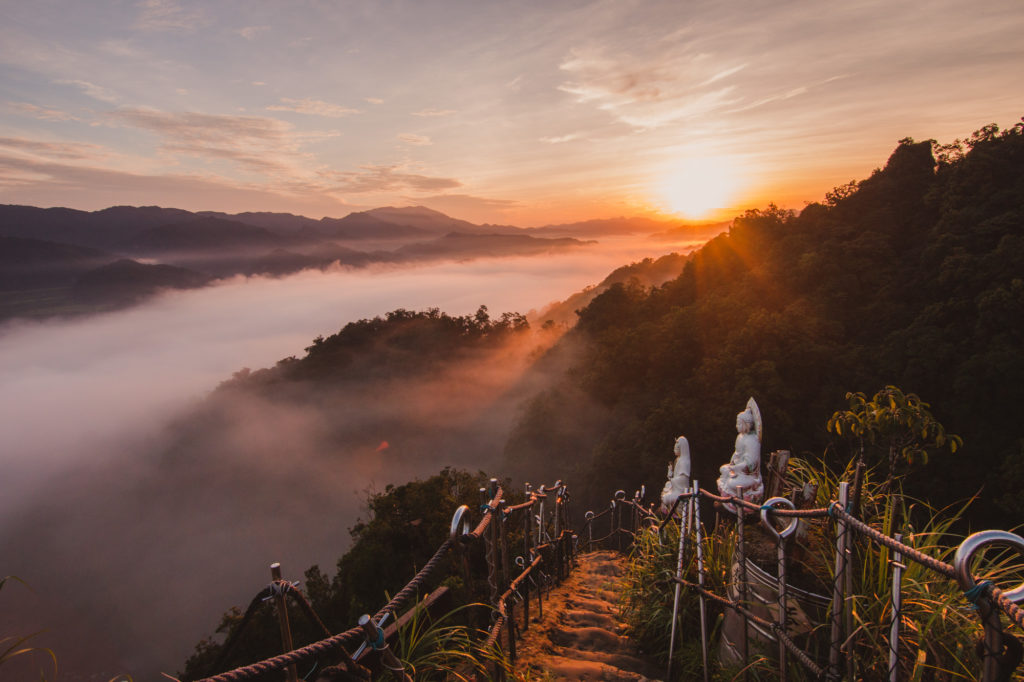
895 422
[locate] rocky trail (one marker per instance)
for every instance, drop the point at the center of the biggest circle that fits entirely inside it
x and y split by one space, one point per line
581 637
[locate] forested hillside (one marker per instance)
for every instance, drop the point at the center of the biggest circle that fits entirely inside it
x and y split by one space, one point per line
913 277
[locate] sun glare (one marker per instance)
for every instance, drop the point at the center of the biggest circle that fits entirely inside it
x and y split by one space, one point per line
696 187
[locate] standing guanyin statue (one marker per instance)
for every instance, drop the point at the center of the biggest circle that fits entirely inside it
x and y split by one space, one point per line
744 469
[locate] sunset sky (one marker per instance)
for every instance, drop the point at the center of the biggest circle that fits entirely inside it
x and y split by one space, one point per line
509 112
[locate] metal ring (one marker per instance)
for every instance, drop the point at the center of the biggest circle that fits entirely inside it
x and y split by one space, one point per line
969 547
589 516
788 530
460 513
620 494
520 562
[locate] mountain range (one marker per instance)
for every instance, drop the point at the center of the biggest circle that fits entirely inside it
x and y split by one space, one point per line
61 260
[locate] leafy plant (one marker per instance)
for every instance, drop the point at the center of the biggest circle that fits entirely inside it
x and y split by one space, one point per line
899 423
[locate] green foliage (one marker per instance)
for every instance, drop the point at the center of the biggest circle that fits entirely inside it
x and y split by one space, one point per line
899 423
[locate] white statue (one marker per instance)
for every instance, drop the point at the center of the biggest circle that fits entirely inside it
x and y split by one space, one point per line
678 475
744 469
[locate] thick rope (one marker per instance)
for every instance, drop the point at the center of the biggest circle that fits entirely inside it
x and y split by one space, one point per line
350 636
306 607
752 506
920 557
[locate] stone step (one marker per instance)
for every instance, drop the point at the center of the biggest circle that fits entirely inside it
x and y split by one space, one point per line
581 637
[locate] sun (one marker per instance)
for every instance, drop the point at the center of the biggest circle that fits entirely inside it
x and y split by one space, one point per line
697 187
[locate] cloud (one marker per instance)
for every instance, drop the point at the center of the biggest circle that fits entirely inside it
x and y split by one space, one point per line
416 140
207 128
313 107
434 112
252 32
40 112
561 138
168 15
389 179
89 411
57 150
97 92
49 183
649 92
374 100
257 143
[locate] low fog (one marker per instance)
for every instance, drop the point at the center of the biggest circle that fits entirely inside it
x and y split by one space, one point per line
135 528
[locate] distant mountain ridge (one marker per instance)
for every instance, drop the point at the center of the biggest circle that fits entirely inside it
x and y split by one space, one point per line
207 245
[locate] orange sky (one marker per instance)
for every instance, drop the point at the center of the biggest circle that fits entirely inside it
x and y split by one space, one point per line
525 113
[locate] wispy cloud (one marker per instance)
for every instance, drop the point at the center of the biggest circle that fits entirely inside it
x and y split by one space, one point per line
41 113
97 92
258 144
168 15
313 107
434 112
374 100
252 32
561 138
384 178
416 140
649 92
57 150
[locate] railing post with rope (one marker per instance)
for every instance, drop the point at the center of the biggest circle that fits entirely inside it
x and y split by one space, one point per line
619 496
838 601
741 561
897 605
983 593
589 516
679 576
781 538
700 581
282 618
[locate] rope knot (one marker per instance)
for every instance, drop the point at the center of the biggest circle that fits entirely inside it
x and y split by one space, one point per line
976 593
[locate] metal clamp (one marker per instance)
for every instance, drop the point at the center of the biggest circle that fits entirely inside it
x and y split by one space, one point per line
973 544
788 530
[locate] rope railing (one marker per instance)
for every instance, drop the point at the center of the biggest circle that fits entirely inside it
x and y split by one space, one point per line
549 542
997 665
491 529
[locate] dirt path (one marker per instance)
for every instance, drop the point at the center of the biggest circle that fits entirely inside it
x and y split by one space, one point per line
580 638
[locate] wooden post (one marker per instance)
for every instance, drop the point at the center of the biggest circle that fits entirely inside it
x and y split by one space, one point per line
282 619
